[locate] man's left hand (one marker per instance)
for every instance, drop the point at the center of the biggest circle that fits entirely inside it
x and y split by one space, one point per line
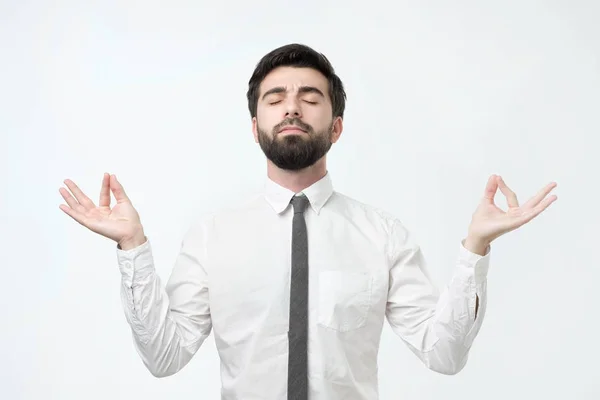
490 222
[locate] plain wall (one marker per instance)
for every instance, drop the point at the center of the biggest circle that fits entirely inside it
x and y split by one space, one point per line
440 96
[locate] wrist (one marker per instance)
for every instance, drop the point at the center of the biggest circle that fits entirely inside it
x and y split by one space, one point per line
131 242
476 245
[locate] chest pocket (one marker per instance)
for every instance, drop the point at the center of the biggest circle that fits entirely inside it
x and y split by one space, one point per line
344 299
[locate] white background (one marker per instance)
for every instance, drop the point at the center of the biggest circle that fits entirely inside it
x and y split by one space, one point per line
440 96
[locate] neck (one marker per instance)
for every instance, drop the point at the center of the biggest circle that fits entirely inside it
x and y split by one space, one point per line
297 181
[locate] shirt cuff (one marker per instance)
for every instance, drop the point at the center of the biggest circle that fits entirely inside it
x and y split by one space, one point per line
135 263
476 263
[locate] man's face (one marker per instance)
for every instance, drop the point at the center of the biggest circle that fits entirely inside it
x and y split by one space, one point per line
294 124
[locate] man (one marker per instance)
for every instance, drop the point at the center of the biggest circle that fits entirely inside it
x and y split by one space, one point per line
297 282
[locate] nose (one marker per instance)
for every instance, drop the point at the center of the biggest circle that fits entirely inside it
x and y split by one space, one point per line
292 109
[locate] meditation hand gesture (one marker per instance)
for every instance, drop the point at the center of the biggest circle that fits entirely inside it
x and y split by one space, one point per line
120 223
490 222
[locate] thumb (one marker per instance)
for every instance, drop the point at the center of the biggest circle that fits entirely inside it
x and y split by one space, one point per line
117 189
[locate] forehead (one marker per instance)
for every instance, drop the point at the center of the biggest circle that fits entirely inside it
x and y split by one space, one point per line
293 78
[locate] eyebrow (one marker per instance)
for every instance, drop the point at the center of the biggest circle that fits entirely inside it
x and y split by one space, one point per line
303 89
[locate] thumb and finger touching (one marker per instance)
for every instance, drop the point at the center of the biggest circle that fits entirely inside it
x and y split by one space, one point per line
83 210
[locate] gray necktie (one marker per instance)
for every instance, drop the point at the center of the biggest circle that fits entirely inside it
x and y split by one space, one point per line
298 332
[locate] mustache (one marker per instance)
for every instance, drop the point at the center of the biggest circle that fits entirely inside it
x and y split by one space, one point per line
294 122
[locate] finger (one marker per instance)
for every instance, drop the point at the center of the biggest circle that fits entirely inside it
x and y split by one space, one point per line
71 200
537 210
79 195
76 215
535 200
105 191
511 197
490 190
117 189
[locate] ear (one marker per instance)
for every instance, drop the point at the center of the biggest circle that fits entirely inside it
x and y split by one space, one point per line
338 127
255 129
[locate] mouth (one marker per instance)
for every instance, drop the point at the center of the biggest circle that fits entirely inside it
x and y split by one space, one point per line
291 130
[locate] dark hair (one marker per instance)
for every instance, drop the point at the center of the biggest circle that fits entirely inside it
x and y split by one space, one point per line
297 55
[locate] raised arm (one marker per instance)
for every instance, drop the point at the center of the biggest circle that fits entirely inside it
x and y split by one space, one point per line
440 326
168 323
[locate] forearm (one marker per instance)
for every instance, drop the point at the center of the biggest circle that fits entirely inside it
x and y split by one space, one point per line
438 327
166 341
479 247
458 317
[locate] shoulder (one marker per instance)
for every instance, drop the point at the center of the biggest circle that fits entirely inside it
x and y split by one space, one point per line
237 208
383 220
357 208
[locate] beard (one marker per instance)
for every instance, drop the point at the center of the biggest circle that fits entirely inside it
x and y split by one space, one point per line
295 152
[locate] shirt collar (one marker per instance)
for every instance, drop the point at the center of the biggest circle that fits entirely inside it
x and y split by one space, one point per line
318 193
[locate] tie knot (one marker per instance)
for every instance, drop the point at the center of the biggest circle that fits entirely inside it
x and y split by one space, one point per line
299 203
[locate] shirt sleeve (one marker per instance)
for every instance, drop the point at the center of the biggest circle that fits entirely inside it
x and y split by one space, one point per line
439 326
168 323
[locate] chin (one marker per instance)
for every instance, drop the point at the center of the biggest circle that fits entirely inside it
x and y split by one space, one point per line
293 138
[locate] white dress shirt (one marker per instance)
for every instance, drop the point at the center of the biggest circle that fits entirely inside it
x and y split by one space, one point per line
232 277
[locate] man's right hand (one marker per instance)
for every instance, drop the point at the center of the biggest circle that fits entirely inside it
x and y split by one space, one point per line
121 223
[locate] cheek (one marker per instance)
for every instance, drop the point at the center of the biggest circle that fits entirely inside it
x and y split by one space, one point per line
319 120
266 119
